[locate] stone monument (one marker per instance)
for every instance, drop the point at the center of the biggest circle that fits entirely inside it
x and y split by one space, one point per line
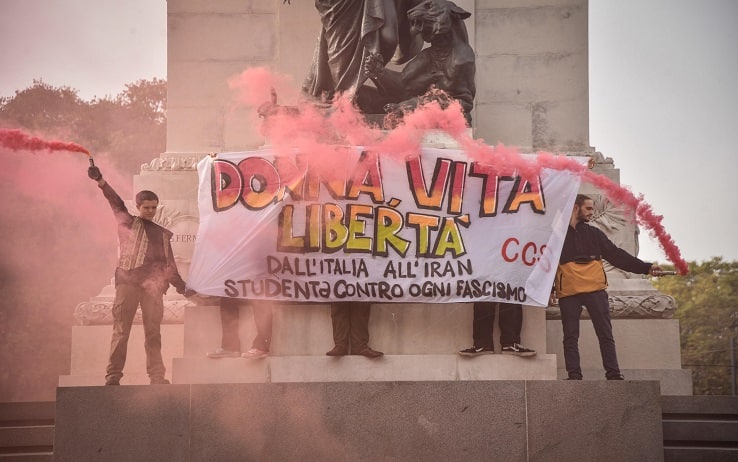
530 91
413 403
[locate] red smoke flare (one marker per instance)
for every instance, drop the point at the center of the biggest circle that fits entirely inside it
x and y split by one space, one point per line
16 140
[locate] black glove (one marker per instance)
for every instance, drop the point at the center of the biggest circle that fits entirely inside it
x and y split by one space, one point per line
94 173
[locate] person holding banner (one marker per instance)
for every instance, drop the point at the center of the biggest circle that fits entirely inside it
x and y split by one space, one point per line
511 322
581 282
351 329
144 271
230 346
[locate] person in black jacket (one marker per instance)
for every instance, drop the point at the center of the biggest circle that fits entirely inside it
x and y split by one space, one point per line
581 281
143 274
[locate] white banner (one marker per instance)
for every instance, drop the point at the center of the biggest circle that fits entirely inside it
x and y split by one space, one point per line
433 227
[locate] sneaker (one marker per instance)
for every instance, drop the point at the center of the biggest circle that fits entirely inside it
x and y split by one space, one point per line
112 381
159 381
474 351
255 353
518 350
616 377
221 353
574 377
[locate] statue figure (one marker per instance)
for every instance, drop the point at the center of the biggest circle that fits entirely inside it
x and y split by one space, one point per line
351 31
447 65
359 37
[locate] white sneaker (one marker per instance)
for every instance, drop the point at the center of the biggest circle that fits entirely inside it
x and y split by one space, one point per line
255 353
221 353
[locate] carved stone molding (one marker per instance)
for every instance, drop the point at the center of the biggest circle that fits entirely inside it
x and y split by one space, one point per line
169 163
655 306
101 313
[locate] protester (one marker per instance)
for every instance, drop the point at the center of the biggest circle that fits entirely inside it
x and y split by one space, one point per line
511 322
230 346
144 271
581 281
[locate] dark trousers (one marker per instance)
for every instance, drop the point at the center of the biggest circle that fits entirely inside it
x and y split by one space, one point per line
511 321
127 300
351 324
599 311
229 314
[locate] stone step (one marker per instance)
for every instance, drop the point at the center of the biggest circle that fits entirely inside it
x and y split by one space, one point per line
27 431
359 369
700 428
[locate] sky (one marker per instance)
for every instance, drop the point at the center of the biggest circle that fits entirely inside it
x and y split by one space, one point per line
663 97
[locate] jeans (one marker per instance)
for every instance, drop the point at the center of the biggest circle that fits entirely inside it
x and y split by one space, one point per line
127 299
229 314
599 311
511 321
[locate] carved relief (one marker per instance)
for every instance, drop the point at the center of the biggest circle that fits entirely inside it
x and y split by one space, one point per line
172 163
101 313
657 306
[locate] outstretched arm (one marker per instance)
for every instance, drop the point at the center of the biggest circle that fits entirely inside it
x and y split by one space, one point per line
116 203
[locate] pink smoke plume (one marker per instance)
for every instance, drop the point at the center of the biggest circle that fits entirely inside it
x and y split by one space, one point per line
308 128
17 140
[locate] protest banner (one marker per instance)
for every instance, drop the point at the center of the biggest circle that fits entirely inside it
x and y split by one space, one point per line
429 227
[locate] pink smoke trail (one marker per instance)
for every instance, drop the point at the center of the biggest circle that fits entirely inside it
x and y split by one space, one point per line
313 131
17 140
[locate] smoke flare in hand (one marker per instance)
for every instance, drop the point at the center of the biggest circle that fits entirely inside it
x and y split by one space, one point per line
17 140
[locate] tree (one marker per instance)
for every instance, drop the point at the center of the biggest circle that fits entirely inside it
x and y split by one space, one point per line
52 256
42 107
130 129
707 309
139 128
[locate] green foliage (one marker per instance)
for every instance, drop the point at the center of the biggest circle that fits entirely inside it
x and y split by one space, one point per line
707 309
50 261
130 128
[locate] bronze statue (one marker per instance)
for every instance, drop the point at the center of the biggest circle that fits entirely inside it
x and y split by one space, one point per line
351 31
359 37
447 65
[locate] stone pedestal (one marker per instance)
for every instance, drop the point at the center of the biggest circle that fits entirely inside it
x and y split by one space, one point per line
419 341
428 421
92 334
532 92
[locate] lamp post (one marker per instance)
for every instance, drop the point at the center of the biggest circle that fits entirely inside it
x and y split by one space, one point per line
732 364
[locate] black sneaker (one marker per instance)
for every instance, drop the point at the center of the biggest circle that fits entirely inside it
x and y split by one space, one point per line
518 350
474 351
616 377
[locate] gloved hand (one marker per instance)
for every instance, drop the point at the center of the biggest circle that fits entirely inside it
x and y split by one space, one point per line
94 173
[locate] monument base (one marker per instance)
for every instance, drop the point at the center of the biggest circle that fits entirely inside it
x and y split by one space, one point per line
648 349
398 368
91 352
429 421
